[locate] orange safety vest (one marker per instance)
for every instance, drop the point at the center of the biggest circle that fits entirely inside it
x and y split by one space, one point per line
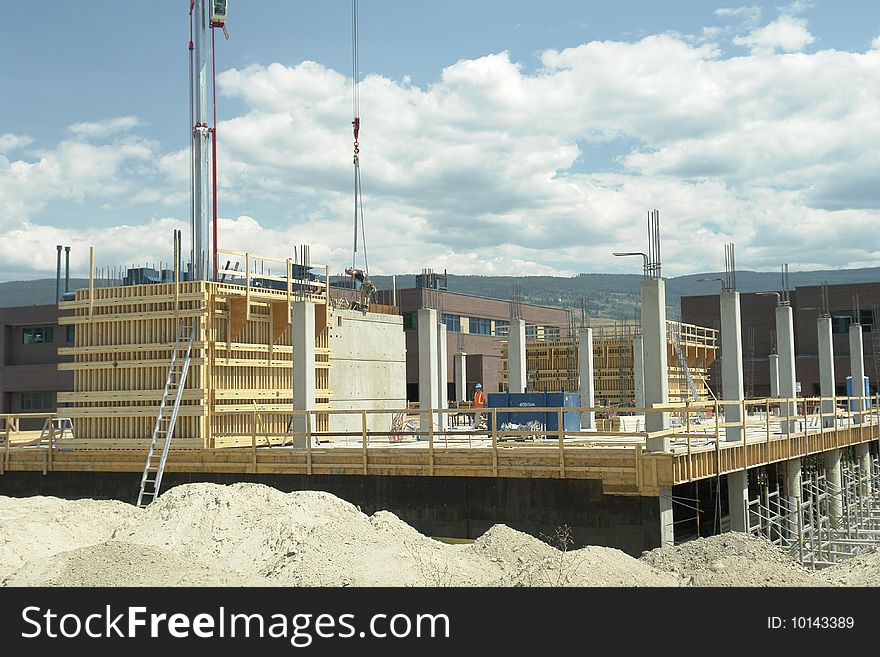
479 399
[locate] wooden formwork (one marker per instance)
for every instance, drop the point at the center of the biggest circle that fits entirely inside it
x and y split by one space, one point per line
553 366
241 354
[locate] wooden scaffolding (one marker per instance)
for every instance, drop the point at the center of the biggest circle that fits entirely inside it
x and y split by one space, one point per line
553 365
241 356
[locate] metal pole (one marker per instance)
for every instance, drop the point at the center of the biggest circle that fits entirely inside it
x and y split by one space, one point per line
58 276
201 209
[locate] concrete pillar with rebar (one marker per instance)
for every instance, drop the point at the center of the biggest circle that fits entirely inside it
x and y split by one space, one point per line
303 331
587 386
429 395
785 349
857 372
442 375
653 293
516 356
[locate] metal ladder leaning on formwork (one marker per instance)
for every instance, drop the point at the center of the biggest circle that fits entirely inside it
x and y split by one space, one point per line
683 362
166 418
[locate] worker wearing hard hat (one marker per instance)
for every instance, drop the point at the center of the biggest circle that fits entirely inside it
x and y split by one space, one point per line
479 403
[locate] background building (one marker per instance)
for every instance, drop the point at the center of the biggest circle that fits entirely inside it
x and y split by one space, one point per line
29 377
759 333
475 325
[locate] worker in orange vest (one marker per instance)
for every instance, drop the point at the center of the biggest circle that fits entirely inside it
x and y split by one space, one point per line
479 403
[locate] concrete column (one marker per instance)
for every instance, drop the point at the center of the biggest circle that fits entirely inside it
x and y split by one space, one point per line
826 370
857 372
429 395
653 293
785 349
442 375
866 467
732 385
857 367
835 494
516 356
303 332
738 497
461 377
639 370
731 362
773 361
793 487
667 528
587 386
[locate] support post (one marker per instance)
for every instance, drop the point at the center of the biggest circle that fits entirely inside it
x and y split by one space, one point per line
731 363
303 331
461 377
667 528
442 376
587 385
738 497
773 362
785 349
516 356
857 370
429 397
638 370
835 488
653 293
793 486
826 371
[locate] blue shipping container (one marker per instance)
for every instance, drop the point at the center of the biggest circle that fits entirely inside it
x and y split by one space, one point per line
571 420
497 400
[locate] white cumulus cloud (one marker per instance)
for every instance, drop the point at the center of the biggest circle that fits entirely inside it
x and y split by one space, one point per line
785 34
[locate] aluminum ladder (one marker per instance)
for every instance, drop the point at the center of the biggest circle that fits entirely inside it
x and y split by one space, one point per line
683 362
163 431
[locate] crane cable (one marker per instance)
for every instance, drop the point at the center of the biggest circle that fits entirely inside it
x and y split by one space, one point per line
356 126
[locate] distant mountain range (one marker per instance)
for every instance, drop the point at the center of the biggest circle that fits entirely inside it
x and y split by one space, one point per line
614 296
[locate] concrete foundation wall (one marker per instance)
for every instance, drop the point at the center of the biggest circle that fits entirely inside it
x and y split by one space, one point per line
454 507
367 368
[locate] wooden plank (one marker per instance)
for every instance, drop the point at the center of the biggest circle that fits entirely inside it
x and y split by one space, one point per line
238 307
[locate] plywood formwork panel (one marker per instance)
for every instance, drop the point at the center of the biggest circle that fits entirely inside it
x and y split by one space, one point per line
241 357
552 366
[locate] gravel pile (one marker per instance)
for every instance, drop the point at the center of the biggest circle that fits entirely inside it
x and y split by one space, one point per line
731 559
123 564
37 527
249 534
863 570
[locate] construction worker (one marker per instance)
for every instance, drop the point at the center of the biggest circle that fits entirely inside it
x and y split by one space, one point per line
479 403
366 286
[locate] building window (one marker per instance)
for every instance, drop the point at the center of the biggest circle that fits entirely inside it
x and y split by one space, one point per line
71 334
41 335
502 328
37 401
453 323
410 321
531 332
480 325
842 319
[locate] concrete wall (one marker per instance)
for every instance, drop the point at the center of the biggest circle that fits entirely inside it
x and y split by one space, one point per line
455 507
367 367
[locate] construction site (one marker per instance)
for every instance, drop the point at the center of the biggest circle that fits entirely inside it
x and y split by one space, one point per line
243 421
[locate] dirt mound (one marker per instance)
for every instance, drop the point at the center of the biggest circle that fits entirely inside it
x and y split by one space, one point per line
524 560
122 564
862 570
732 559
38 527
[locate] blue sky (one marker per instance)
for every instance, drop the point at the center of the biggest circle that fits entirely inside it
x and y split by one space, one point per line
481 152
